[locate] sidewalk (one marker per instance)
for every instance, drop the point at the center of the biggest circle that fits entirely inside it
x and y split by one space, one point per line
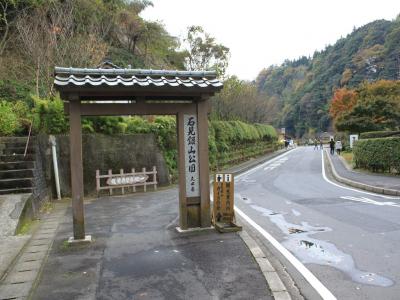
135 240
11 207
138 254
383 184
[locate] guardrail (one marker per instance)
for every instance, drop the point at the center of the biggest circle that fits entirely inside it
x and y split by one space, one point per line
129 181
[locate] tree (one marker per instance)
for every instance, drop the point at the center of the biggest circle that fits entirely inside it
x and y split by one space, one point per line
204 53
47 37
377 108
343 100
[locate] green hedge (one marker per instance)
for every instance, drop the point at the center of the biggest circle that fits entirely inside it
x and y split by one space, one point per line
378 155
379 134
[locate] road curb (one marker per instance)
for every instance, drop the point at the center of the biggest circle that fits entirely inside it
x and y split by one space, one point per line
357 184
277 287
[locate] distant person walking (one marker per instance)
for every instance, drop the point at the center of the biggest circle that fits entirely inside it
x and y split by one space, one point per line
315 144
321 146
338 146
332 146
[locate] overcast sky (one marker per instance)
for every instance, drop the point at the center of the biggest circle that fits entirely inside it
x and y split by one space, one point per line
261 33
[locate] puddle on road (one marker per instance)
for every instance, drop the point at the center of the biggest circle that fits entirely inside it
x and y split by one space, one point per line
296 213
310 250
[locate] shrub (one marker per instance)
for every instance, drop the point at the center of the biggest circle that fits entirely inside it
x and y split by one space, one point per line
379 134
380 154
137 125
49 115
9 120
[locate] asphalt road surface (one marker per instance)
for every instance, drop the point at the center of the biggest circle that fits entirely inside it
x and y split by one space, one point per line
348 239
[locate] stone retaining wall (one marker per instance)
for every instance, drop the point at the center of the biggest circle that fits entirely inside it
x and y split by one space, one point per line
103 152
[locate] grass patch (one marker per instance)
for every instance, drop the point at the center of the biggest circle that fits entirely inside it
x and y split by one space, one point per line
26 226
47 207
348 157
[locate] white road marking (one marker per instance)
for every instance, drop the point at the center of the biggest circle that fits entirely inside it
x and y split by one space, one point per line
269 168
310 277
348 188
264 164
370 201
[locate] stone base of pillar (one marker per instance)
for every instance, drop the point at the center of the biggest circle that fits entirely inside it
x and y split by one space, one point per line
87 239
195 229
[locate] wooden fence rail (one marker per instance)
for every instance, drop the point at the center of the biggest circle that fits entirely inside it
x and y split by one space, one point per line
127 181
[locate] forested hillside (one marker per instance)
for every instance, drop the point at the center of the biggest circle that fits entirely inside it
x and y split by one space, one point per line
298 92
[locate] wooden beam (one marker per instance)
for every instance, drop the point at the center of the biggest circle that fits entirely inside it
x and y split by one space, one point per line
141 108
149 92
202 121
76 170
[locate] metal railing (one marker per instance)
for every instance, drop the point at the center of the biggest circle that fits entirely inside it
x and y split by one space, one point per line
27 141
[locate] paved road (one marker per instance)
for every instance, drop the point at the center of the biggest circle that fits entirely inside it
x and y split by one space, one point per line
348 239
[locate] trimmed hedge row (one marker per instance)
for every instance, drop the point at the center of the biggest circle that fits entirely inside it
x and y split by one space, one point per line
379 134
378 155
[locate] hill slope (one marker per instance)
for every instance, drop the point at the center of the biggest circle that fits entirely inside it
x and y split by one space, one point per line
298 92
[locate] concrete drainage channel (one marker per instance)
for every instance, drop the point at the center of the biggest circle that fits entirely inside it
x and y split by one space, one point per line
22 276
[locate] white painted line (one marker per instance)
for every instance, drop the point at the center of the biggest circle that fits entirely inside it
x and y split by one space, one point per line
312 280
264 164
348 188
269 168
370 201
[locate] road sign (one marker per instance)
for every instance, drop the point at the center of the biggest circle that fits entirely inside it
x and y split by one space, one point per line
127 179
353 139
223 209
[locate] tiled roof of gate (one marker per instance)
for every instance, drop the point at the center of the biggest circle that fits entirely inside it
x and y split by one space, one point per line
134 77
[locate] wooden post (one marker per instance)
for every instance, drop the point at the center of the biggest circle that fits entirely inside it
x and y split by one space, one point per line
155 177
133 186
202 121
144 186
76 167
121 171
98 182
110 173
183 220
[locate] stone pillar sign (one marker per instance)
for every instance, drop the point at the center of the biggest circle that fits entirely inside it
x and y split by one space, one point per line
191 156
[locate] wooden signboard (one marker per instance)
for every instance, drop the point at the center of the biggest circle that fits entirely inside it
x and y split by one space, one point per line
224 207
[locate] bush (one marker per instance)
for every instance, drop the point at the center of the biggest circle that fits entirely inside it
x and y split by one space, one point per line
378 155
379 134
49 115
9 120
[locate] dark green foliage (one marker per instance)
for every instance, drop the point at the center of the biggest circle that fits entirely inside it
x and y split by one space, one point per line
378 154
379 134
48 116
234 141
12 90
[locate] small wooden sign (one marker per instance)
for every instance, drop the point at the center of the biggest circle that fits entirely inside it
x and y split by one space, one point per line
224 207
127 179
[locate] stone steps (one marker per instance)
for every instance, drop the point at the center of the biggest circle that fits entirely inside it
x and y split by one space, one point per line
16 170
16 183
19 173
16 191
16 165
17 150
16 157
